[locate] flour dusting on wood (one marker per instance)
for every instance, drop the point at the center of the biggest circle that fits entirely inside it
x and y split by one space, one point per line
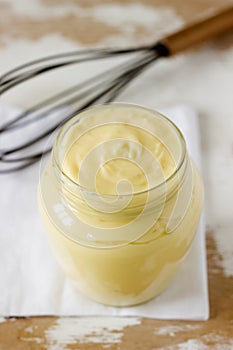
112 13
192 344
69 330
32 339
134 14
207 342
129 21
29 329
172 330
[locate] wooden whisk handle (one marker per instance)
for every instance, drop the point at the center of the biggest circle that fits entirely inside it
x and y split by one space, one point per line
199 31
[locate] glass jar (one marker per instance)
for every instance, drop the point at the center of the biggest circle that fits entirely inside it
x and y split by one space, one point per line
120 248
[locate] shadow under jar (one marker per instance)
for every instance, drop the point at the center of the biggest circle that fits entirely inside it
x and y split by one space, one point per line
120 199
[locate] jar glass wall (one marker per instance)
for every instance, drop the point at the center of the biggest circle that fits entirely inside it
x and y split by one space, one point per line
121 200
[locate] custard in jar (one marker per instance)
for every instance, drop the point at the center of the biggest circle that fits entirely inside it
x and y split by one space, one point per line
120 199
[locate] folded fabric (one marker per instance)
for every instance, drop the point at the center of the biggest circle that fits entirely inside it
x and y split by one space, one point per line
31 281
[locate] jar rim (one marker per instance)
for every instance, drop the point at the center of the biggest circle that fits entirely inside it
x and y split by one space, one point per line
157 114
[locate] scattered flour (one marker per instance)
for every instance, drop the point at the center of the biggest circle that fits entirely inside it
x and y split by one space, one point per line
172 330
192 344
29 329
94 330
114 13
125 17
32 339
204 343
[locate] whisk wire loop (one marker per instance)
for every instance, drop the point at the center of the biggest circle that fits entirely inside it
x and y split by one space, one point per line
102 88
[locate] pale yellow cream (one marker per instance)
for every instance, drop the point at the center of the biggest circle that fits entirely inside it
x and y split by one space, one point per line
119 153
128 157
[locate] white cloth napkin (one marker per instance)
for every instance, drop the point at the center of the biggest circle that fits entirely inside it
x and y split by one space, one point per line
31 281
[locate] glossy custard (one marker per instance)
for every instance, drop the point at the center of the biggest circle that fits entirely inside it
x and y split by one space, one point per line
130 201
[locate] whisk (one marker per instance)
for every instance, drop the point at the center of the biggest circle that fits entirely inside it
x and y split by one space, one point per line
51 113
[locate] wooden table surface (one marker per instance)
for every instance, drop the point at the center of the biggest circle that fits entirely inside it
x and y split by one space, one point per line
54 333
